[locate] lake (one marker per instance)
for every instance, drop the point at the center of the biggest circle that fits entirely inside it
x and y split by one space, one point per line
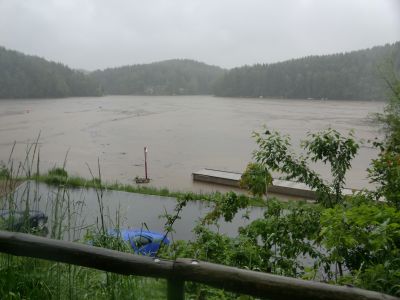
183 133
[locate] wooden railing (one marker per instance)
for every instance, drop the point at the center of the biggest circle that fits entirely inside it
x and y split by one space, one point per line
177 272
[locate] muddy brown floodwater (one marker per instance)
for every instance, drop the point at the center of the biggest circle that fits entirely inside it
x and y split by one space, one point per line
183 133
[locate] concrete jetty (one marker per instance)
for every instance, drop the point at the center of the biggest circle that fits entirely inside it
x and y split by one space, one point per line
279 186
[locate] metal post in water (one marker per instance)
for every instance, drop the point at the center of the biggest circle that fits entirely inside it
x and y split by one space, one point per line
145 162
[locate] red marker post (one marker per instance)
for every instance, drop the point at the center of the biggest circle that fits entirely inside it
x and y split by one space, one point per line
145 162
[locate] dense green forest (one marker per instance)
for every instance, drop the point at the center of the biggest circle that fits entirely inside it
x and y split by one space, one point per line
353 75
170 77
24 76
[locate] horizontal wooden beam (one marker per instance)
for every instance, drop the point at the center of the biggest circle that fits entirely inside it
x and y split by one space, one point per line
21 244
266 285
228 278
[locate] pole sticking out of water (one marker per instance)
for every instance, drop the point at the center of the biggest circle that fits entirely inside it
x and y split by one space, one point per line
145 162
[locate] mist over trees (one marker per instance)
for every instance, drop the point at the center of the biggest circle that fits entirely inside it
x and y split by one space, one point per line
24 76
170 77
348 76
352 75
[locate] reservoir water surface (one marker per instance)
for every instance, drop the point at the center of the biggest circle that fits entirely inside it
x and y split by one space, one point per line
183 133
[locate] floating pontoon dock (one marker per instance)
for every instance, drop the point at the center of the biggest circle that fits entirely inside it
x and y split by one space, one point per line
278 186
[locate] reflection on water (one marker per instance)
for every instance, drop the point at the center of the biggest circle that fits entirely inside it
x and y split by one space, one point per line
134 209
183 133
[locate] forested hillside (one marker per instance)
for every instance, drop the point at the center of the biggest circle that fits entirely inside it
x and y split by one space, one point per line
171 77
351 75
24 76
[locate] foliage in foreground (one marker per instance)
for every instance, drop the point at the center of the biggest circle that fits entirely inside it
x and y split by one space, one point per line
256 178
385 169
25 278
356 242
364 236
328 146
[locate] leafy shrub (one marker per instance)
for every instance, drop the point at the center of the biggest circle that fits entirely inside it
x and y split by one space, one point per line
4 172
363 235
61 172
328 147
256 179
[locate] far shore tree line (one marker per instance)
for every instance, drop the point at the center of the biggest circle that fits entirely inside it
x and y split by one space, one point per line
347 76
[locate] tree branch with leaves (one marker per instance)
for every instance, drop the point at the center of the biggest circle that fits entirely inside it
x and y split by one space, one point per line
328 146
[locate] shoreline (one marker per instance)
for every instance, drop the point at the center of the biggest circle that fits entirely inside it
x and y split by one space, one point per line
80 182
84 183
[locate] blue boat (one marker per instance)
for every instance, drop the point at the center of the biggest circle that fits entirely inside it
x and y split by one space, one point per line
143 242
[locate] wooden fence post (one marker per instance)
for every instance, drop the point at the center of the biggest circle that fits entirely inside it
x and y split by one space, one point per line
176 289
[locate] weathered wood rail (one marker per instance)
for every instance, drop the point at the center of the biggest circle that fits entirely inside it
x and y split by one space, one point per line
177 272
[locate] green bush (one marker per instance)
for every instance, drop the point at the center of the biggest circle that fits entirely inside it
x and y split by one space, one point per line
4 172
58 172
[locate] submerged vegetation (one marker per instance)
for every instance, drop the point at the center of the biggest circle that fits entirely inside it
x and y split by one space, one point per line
60 177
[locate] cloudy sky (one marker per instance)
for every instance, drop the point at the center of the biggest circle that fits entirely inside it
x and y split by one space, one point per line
92 34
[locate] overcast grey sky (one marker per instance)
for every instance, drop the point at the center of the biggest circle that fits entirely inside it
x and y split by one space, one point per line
93 34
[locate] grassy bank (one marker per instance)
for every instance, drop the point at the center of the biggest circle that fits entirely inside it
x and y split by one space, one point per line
59 177
27 278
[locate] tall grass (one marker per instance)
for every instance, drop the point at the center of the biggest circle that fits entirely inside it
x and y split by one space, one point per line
26 278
